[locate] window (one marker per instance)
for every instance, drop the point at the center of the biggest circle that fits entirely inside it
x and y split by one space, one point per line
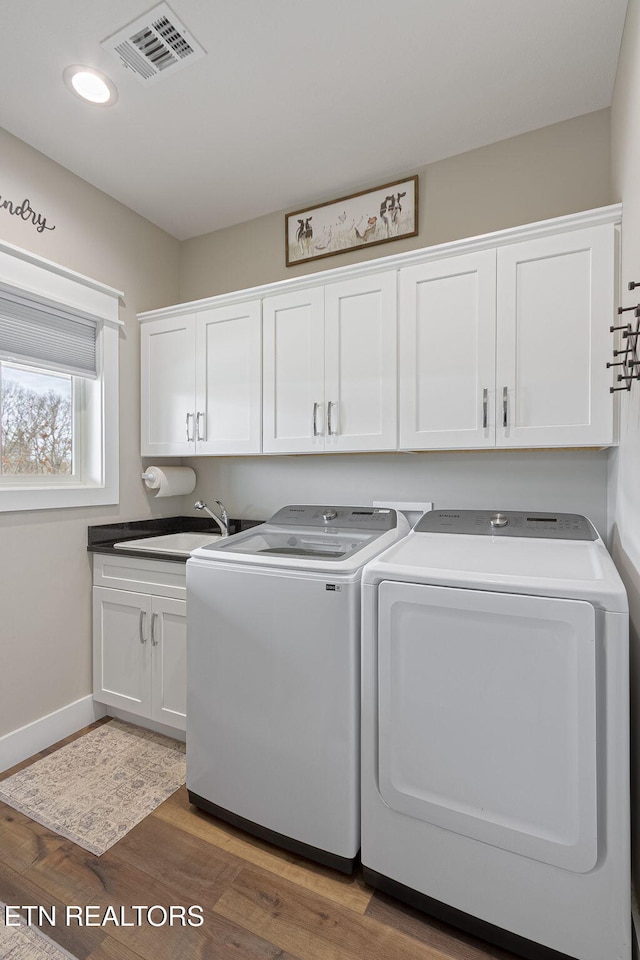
40 423
58 386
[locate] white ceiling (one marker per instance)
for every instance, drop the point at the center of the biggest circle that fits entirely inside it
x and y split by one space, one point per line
298 101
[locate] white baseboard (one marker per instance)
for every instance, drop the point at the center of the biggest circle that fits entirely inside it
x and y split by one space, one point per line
34 737
146 723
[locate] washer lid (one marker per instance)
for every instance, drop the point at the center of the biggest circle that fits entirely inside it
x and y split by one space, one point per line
313 538
271 541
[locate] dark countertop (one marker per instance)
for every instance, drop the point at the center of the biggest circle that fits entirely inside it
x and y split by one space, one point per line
101 538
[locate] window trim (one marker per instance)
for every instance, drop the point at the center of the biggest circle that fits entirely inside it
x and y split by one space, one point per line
51 283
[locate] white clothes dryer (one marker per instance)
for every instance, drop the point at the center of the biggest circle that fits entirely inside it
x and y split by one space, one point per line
495 731
273 676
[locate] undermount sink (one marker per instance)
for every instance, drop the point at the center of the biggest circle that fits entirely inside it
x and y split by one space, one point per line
179 543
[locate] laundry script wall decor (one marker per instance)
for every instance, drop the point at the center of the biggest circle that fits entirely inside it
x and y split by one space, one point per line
25 211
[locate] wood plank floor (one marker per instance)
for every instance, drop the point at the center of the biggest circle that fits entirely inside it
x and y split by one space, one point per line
259 903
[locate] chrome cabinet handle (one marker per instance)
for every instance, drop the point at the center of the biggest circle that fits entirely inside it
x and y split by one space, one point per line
199 416
143 614
189 435
315 419
505 406
331 432
485 408
154 620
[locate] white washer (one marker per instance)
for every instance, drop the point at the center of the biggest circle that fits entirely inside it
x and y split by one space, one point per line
495 731
273 691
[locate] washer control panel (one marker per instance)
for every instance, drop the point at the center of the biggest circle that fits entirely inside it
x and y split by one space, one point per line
377 519
508 523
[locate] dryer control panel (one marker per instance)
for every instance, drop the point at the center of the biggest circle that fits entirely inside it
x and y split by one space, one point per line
508 523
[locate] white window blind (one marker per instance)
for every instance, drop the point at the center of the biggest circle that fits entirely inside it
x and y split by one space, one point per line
42 335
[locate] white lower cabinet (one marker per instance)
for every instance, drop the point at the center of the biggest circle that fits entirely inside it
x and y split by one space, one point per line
140 639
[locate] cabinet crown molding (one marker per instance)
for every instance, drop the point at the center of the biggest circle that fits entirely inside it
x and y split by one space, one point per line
542 228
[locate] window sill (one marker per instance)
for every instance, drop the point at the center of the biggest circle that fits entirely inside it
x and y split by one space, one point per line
53 498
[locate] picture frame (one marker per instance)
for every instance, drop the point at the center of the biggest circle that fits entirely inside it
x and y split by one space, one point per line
364 219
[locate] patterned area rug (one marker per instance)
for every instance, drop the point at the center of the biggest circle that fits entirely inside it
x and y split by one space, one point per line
27 943
95 789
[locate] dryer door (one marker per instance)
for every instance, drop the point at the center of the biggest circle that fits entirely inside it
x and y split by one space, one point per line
487 717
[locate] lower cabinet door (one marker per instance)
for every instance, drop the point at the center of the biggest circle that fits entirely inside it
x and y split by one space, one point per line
140 654
169 661
122 649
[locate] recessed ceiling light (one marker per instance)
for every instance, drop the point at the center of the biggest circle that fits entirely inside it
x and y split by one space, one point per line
90 85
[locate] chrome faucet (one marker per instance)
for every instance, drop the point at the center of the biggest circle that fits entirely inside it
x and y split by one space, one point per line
222 520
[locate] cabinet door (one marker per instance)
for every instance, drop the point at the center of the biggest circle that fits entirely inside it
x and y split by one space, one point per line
293 397
447 353
555 306
169 661
167 401
228 379
122 650
360 363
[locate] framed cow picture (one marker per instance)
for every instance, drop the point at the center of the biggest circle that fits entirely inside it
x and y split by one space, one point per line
388 212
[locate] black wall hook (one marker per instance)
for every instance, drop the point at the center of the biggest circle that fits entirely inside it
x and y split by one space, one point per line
630 334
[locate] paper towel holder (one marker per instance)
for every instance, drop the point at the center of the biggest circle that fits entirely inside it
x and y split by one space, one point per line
169 481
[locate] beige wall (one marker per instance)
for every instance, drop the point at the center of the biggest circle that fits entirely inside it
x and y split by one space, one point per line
625 473
45 571
549 172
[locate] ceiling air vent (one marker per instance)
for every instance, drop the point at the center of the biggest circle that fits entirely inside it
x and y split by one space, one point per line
154 45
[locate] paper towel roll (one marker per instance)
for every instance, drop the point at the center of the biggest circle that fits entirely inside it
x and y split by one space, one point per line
169 481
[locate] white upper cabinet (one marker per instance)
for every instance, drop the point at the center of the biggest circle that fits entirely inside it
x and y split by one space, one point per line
167 399
555 306
447 352
201 382
228 379
330 367
293 371
361 363
509 347
497 341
